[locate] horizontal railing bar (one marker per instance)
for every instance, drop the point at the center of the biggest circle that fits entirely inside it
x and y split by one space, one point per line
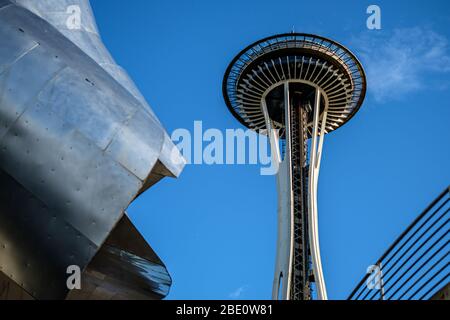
417 250
423 243
417 230
414 223
397 241
415 262
434 276
435 285
423 264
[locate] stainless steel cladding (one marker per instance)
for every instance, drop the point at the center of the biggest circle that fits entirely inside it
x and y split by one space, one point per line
78 143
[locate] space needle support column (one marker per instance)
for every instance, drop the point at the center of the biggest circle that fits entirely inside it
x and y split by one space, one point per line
283 264
289 214
274 139
314 168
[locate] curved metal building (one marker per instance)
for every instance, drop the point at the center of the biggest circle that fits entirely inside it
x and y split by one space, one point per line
78 143
295 87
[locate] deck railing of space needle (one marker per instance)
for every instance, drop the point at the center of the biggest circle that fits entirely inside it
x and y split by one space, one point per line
416 265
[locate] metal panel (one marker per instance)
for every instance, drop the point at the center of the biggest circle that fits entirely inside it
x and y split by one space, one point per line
36 244
18 90
141 154
71 96
86 38
14 44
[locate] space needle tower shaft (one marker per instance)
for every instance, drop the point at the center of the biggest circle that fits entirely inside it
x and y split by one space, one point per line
292 262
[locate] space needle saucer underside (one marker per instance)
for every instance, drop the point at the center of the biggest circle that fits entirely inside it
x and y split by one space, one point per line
295 58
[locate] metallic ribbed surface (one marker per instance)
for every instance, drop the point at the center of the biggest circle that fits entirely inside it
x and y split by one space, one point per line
294 57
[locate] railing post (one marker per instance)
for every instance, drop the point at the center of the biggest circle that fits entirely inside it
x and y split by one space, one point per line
380 266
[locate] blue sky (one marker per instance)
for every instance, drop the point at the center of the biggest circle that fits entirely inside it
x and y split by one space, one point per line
215 227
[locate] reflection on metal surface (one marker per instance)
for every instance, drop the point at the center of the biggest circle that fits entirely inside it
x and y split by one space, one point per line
154 273
125 267
78 143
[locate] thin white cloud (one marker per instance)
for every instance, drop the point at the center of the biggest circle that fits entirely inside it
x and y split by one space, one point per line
238 292
403 61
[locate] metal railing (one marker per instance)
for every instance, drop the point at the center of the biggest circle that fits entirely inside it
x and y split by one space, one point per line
416 265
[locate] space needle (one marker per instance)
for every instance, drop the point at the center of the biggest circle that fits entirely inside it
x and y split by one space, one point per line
295 88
